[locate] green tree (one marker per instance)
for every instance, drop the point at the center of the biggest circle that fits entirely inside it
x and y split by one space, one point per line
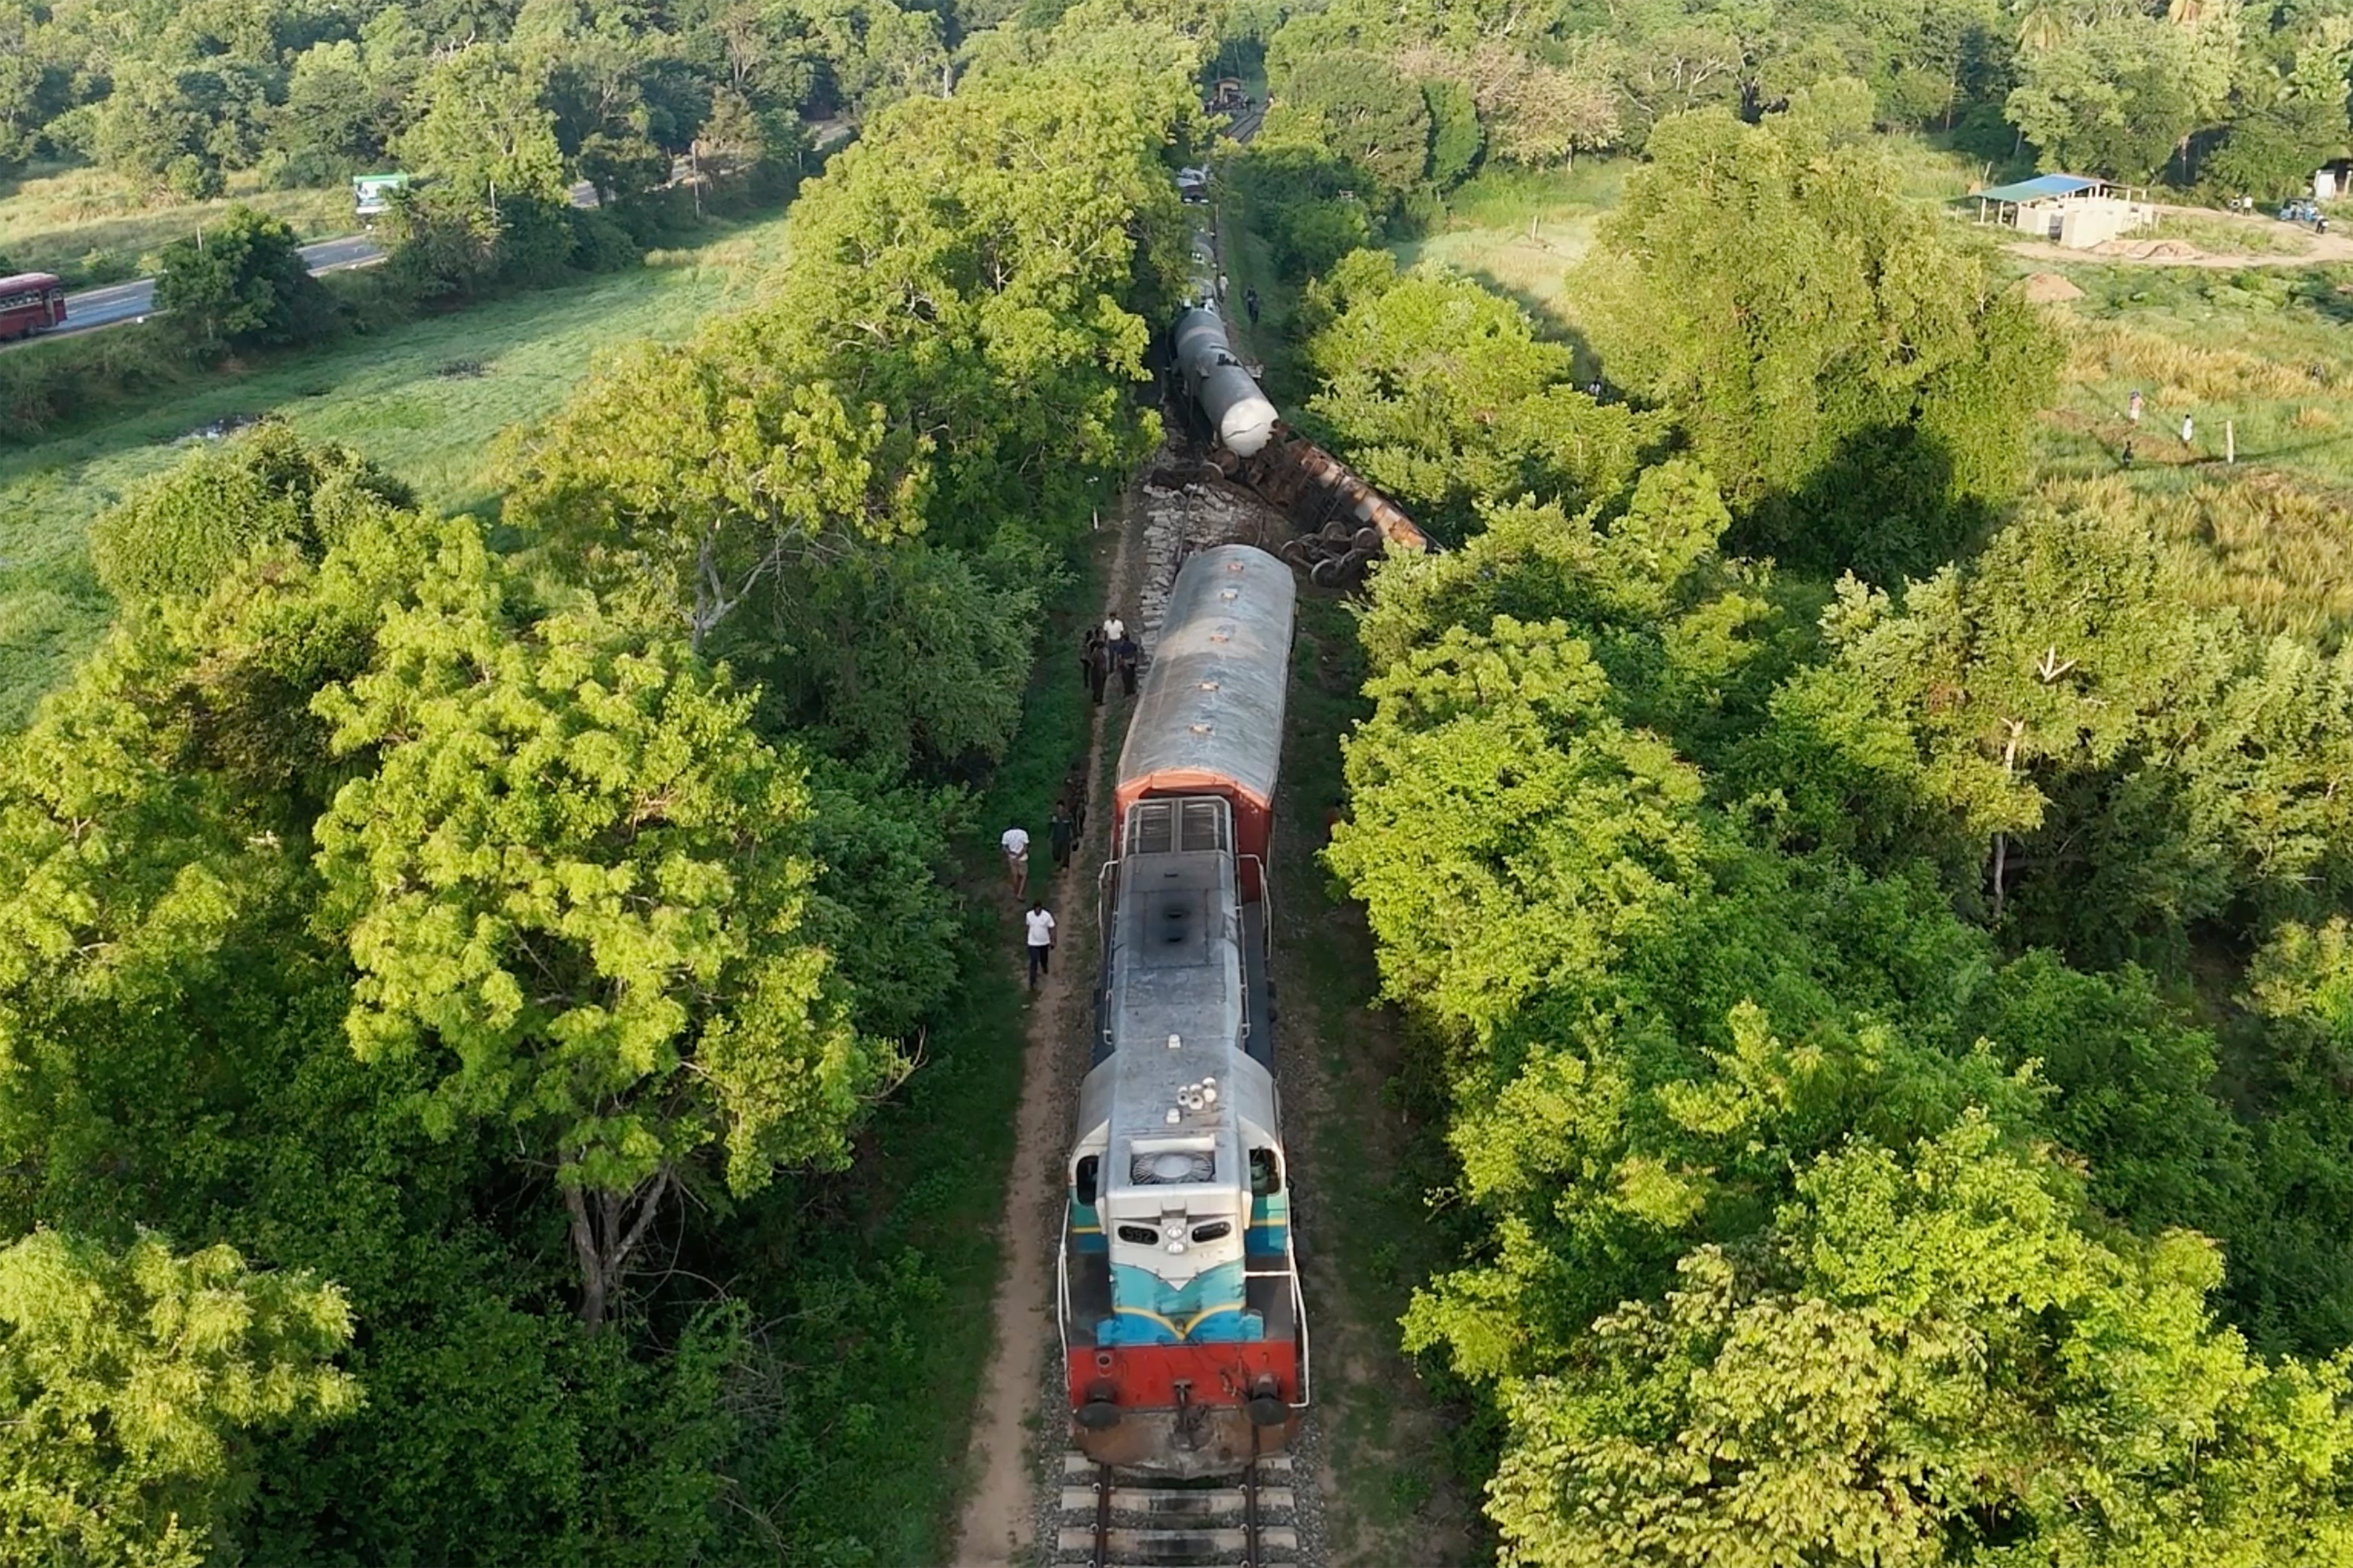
1372 116
1455 137
1501 738
2270 153
1443 394
984 266
2078 744
577 888
239 283
2118 97
698 474
481 127
1861 388
181 532
125 1382
330 123
156 124
1935 1353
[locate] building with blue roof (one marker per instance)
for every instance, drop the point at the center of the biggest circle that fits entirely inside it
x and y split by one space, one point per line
2077 211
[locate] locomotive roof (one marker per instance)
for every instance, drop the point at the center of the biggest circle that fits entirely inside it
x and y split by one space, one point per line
1210 712
1176 972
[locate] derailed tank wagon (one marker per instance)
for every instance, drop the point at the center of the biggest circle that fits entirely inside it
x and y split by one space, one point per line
1239 415
1184 1333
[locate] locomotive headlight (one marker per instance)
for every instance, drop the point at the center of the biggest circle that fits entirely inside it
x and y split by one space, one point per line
1175 1247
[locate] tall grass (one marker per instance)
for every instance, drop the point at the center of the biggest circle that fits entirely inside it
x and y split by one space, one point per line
2219 235
91 227
2279 553
1504 196
2262 352
1521 231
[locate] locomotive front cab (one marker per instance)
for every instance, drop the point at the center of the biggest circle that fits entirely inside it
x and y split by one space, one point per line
1179 1309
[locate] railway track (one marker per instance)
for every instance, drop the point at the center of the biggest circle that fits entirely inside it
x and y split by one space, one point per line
1115 1520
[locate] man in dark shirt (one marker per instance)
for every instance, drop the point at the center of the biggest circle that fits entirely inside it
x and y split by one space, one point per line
1126 654
1059 832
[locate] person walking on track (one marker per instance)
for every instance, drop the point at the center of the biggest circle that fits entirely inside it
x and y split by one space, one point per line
1060 834
1098 665
1017 858
1041 939
1126 654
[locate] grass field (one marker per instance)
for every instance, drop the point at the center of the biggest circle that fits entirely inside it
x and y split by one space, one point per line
89 227
2266 353
1521 231
2218 233
424 400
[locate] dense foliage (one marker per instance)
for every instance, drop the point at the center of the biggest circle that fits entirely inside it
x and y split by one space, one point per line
1878 389
1890 1039
238 284
444 965
307 93
1376 111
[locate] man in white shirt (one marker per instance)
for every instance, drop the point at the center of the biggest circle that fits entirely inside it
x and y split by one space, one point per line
1113 628
1041 941
1017 858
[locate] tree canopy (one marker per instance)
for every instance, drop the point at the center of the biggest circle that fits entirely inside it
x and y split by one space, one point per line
1880 390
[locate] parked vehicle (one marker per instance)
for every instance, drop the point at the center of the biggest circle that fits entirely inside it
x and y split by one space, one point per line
372 193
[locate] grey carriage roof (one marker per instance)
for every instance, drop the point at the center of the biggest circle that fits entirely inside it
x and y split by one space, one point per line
1211 705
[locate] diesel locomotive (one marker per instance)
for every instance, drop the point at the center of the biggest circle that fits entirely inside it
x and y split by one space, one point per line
1184 1333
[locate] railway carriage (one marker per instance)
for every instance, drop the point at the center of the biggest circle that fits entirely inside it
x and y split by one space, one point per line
1183 1329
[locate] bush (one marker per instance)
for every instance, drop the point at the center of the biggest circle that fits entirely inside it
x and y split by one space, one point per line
43 383
240 284
600 243
179 533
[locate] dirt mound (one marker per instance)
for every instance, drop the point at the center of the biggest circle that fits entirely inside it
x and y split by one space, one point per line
2049 288
2148 249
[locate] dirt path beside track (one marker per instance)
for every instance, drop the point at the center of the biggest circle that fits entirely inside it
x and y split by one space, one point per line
1001 1527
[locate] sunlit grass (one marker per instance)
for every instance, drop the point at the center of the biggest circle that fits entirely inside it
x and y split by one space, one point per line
2250 538
91 227
2265 354
426 400
2219 234
1521 231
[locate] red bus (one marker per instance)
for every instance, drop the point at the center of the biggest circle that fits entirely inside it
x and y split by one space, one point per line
30 302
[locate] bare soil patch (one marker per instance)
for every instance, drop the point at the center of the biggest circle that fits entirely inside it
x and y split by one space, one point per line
2049 289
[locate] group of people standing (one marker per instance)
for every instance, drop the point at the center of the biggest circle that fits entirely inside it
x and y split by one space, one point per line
2132 414
1109 647
1105 648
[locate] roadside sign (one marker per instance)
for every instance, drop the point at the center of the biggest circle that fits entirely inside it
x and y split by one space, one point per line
372 193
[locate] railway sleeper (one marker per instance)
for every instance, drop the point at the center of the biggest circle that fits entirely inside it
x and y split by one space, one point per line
1152 1503
1126 1546
1145 1522
1274 1470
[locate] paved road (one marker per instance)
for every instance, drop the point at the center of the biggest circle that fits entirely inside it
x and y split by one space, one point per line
119 302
